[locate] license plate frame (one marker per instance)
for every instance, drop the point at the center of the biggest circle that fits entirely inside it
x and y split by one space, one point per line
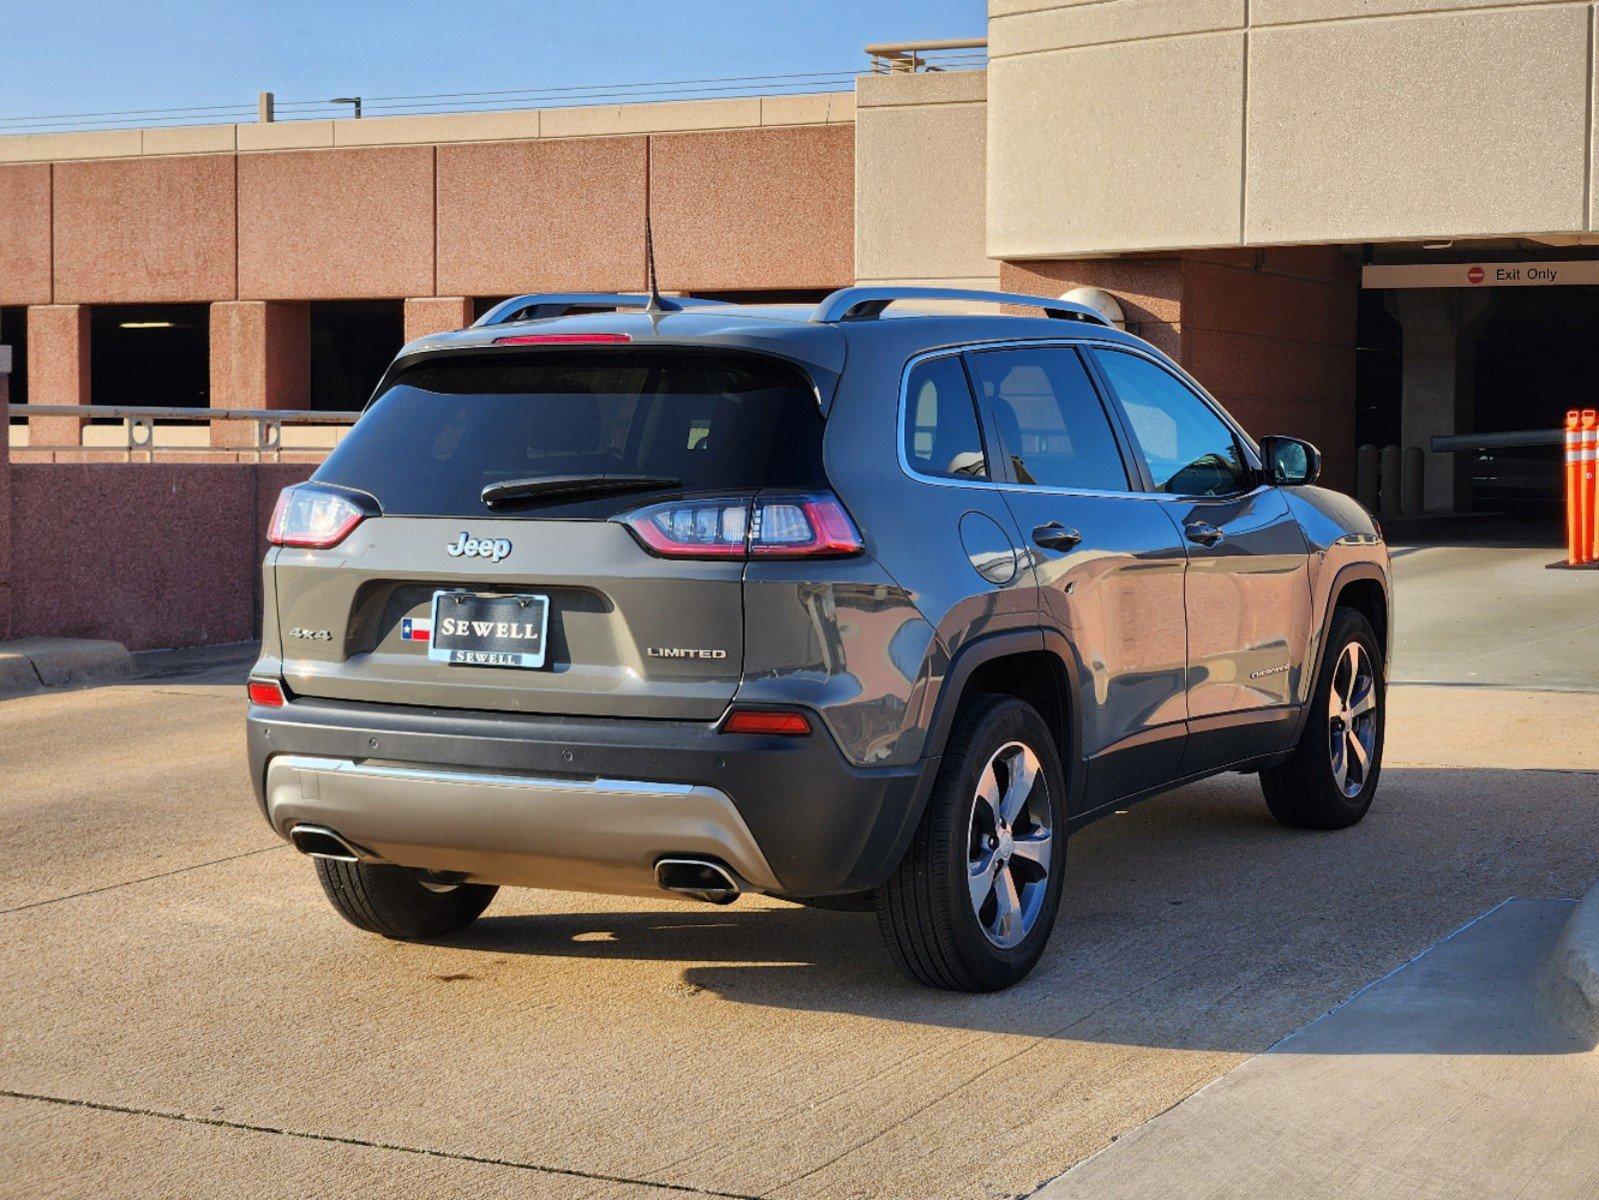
516 650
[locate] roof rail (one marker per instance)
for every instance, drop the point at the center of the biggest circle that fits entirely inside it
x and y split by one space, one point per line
868 303
539 305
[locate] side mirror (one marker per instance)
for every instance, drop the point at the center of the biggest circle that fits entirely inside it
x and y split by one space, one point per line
1290 462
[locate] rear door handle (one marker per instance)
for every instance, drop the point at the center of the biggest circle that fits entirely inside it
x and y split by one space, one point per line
1055 536
1204 533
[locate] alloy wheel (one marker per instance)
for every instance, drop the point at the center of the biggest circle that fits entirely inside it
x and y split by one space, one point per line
1352 719
1009 844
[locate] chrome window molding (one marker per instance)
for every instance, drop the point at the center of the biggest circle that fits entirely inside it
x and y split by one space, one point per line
1157 359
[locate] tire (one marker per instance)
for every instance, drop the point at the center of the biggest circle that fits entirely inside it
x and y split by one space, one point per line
395 902
1308 791
944 931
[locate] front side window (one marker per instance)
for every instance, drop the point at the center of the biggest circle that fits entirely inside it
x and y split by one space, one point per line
1190 450
941 436
1050 418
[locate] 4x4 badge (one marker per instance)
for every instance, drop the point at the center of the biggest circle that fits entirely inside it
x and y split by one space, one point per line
492 549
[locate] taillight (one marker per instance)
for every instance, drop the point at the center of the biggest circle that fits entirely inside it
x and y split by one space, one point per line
813 525
802 527
268 692
308 517
562 339
768 721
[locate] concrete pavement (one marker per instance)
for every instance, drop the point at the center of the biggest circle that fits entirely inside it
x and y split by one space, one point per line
182 1014
1449 1078
163 957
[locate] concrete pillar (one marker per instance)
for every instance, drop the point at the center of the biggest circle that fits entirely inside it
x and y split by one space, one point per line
58 369
260 358
5 492
436 314
1437 392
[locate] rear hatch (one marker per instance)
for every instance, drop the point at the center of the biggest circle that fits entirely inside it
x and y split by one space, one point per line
574 437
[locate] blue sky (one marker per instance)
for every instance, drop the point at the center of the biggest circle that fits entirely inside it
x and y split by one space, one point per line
87 56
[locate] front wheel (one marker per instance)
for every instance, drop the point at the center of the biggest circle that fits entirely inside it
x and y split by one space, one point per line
972 904
399 902
1331 778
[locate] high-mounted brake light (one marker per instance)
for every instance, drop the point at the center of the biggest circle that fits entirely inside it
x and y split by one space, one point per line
563 339
813 525
268 692
310 518
768 721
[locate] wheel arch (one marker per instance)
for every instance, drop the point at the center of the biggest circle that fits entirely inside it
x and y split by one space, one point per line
1364 587
1033 665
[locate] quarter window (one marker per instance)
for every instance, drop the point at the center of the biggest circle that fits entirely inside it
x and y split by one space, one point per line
1190 450
941 436
1050 419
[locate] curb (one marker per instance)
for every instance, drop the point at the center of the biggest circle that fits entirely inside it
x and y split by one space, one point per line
30 664
1572 982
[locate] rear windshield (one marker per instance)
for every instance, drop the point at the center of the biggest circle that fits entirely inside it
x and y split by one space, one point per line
715 421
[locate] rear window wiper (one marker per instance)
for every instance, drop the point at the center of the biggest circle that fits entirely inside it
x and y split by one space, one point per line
556 487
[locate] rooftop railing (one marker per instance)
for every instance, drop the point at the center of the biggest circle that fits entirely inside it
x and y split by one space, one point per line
946 54
143 434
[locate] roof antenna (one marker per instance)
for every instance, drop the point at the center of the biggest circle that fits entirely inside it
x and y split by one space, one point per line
655 305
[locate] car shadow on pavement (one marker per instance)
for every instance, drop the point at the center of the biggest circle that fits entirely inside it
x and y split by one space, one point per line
1192 921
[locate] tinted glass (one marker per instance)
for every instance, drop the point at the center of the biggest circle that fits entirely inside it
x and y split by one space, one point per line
1190 450
940 434
1050 419
717 422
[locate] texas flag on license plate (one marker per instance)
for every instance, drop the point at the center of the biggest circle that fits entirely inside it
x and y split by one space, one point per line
416 629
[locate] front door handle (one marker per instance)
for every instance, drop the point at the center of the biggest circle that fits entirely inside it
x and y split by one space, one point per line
1204 533
1055 536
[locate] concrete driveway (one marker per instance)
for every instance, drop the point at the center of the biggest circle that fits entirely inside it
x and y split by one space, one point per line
182 1014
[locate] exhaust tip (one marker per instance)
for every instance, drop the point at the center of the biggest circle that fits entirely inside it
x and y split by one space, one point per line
699 879
321 842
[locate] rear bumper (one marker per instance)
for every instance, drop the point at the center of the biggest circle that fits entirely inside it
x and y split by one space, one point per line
582 803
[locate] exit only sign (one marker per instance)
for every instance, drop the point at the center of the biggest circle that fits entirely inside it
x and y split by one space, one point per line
1486 274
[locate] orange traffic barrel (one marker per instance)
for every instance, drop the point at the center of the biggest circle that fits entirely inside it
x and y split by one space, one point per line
1587 469
1573 488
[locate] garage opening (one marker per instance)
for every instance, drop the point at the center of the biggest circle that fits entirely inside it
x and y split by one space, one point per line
150 355
1536 356
352 341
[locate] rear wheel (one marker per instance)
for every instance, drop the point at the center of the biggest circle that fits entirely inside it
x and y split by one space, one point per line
972 904
399 902
1330 780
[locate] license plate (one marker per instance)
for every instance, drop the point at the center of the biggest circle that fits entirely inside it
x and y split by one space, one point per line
475 630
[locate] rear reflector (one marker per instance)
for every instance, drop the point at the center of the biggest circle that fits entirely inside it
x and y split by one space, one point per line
563 339
756 720
268 692
812 525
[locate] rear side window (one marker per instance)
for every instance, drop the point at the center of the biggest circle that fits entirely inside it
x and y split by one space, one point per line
718 422
1050 418
941 436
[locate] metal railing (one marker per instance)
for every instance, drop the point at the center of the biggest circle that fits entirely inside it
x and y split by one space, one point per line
139 426
944 54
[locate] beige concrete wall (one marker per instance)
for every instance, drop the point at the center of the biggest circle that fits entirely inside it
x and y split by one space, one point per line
1129 125
920 171
821 108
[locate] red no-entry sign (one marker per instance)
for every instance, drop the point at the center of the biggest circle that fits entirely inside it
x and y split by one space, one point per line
1475 275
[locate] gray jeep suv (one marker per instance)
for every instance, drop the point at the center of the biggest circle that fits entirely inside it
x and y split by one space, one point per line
650 596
